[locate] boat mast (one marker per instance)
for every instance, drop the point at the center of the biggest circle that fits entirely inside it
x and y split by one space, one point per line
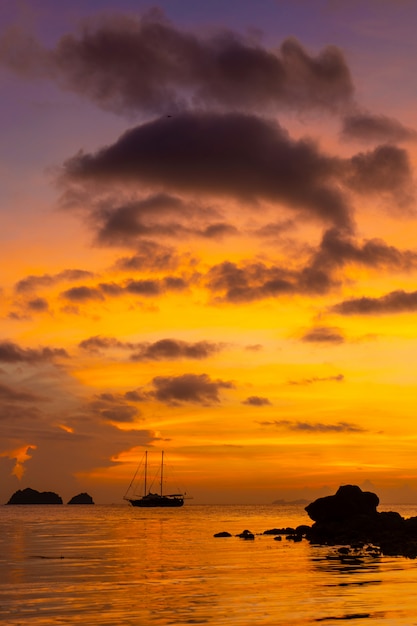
146 471
162 469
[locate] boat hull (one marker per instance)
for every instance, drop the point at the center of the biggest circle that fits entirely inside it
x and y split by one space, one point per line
157 502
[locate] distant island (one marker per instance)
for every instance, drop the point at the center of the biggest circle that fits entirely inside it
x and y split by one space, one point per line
81 498
32 496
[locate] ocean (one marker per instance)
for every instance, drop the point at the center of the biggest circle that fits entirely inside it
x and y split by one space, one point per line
118 565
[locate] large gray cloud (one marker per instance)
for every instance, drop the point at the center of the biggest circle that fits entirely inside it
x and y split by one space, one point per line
129 65
237 155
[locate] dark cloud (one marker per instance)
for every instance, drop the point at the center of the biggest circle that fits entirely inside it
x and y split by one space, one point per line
31 283
249 282
136 396
159 214
338 248
110 289
199 389
274 229
82 294
97 343
386 169
377 128
137 222
235 155
145 287
393 302
338 378
323 334
316 427
127 65
113 408
38 305
168 349
150 256
155 287
12 353
164 349
10 394
256 401
218 231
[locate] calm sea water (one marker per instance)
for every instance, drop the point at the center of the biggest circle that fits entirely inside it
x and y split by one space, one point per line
117 565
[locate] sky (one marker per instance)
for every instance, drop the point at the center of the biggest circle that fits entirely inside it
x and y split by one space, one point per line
207 228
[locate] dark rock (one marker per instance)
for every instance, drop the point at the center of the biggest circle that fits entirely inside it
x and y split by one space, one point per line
31 496
279 531
246 534
222 534
348 502
81 498
350 518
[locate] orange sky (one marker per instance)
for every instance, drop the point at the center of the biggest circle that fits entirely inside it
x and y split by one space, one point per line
208 239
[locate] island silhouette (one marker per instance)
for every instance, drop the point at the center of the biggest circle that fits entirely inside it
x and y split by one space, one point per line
32 496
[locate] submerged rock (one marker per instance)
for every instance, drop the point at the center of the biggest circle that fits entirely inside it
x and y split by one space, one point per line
246 534
31 496
81 498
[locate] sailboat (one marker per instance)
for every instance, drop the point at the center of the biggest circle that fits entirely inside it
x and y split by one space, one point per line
149 499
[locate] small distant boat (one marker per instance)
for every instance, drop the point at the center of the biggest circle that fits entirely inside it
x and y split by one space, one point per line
149 499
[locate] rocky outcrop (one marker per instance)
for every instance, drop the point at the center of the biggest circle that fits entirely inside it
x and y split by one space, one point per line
31 496
348 502
350 518
81 498
350 521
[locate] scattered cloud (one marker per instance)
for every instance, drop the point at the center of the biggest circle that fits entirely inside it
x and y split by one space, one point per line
195 388
323 334
394 302
11 352
368 127
315 427
256 401
31 283
338 378
168 349
113 408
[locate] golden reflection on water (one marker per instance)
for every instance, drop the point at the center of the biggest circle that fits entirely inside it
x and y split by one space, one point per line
122 566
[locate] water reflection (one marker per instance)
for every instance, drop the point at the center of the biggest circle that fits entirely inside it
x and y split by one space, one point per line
116 565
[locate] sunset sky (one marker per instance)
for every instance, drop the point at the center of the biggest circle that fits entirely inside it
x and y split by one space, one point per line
208 236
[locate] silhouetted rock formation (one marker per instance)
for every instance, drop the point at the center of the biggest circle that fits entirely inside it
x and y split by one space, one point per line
31 496
349 501
350 518
81 498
